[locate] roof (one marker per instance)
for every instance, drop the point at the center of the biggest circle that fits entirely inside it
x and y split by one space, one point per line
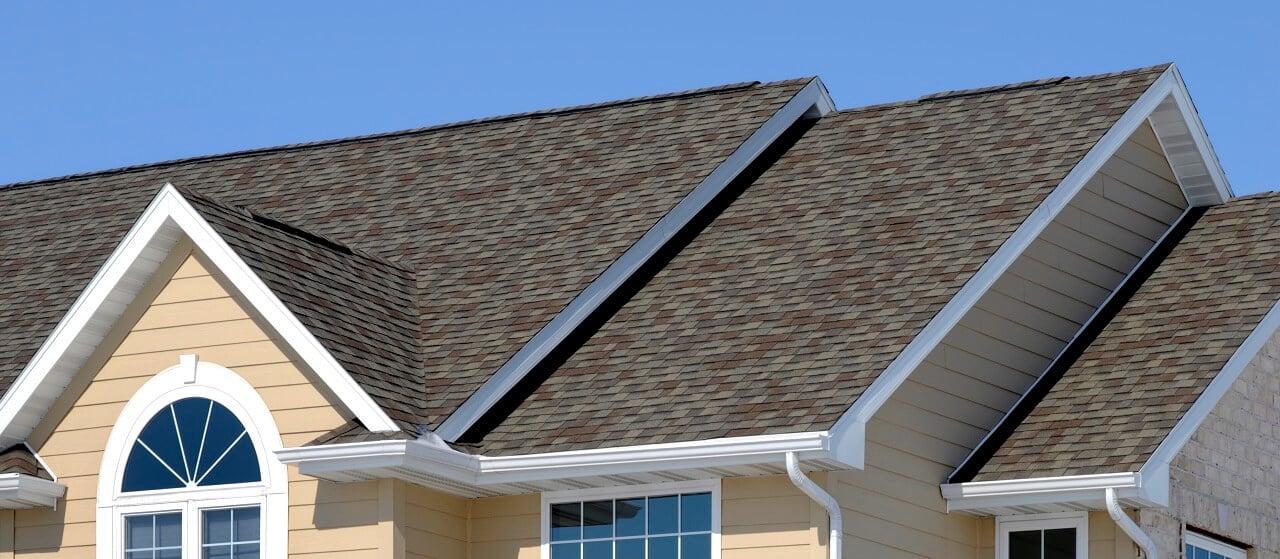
779 314
498 224
1124 395
19 459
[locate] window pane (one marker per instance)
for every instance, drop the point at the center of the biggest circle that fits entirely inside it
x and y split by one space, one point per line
566 522
697 546
566 551
1024 544
246 551
246 522
169 530
216 552
139 531
1201 553
193 441
1060 543
630 518
142 472
598 550
597 520
169 554
695 512
630 549
217 526
664 515
664 548
239 465
139 554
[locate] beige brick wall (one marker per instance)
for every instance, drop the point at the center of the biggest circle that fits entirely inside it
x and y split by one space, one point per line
1227 478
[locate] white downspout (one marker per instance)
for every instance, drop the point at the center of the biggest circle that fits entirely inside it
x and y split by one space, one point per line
1130 527
822 498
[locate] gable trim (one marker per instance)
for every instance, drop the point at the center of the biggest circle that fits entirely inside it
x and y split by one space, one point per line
811 101
852 423
1218 388
95 313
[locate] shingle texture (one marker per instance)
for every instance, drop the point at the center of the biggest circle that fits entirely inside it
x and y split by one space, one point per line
19 460
1150 364
467 237
777 316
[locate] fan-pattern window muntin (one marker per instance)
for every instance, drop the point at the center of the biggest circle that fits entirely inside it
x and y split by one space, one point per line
192 445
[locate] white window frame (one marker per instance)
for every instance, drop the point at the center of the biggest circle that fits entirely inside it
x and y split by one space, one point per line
627 492
1053 521
192 378
1212 545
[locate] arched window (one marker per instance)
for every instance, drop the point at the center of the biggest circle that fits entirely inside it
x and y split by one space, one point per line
189 471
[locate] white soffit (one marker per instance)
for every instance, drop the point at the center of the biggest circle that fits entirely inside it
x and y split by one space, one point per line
166 220
1167 86
432 463
1052 494
1186 145
812 101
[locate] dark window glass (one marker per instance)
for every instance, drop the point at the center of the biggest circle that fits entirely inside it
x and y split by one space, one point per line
630 549
664 548
631 518
191 442
1024 544
153 535
597 520
664 514
566 522
695 512
1060 543
696 546
566 551
230 533
598 550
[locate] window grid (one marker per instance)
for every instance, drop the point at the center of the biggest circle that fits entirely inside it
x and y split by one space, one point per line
226 539
688 536
152 544
1204 547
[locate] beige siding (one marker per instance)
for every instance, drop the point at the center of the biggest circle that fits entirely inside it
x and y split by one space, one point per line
191 313
1226 480
767 517
506 527
435 524
967 384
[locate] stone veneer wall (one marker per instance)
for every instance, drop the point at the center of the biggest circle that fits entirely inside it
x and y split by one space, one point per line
1227 478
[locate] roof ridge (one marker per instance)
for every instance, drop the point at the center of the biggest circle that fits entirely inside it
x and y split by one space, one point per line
1003 88
573 109
293 230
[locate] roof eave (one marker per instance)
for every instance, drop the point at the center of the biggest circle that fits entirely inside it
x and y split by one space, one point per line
431 463
22 491
1054 494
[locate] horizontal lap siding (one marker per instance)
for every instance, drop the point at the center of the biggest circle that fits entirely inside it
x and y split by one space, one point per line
193 313
434 525
767 517
506 527
1015 330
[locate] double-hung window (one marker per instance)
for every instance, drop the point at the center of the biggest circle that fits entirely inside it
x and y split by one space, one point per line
1043 536
676 521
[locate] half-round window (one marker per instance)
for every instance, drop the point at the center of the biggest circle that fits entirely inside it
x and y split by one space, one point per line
192 442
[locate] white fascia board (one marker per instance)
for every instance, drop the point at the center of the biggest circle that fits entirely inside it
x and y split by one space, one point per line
1160 460
435 459
852 424
811 101
166 219
1196 166
22 491
1088 491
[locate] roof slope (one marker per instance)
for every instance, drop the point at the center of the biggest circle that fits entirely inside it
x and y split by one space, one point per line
785 308
1122 397
501 221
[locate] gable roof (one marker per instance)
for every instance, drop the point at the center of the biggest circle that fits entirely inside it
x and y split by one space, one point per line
1139 379
501 221
777 316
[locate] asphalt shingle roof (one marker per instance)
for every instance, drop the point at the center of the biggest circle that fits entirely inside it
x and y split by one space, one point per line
501 223
1122 397
787 306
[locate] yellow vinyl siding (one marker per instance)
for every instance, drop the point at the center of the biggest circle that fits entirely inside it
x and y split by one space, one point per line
192 312
768 517
506 527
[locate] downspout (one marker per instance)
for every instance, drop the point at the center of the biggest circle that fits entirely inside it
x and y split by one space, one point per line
822 498
1130 527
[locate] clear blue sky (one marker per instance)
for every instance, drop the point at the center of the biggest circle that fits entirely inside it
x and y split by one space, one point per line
96 85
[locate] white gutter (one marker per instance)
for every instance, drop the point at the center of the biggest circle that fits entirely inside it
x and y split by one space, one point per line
836 540
1135 533
430 456
22 491
1048 494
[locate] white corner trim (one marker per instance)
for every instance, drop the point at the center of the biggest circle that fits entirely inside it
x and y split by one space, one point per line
882 388
21 491
170 216
1218 388
475 470
1086 490
811 100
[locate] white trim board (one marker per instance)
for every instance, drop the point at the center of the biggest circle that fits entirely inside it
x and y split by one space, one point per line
429 461
1051 494
166 220
549 498
1168 85
810 101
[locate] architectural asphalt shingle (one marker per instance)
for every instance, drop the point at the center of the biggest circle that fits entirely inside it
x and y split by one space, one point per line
1120 399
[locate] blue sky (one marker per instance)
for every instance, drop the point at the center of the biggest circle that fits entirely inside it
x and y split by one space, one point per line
97 85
